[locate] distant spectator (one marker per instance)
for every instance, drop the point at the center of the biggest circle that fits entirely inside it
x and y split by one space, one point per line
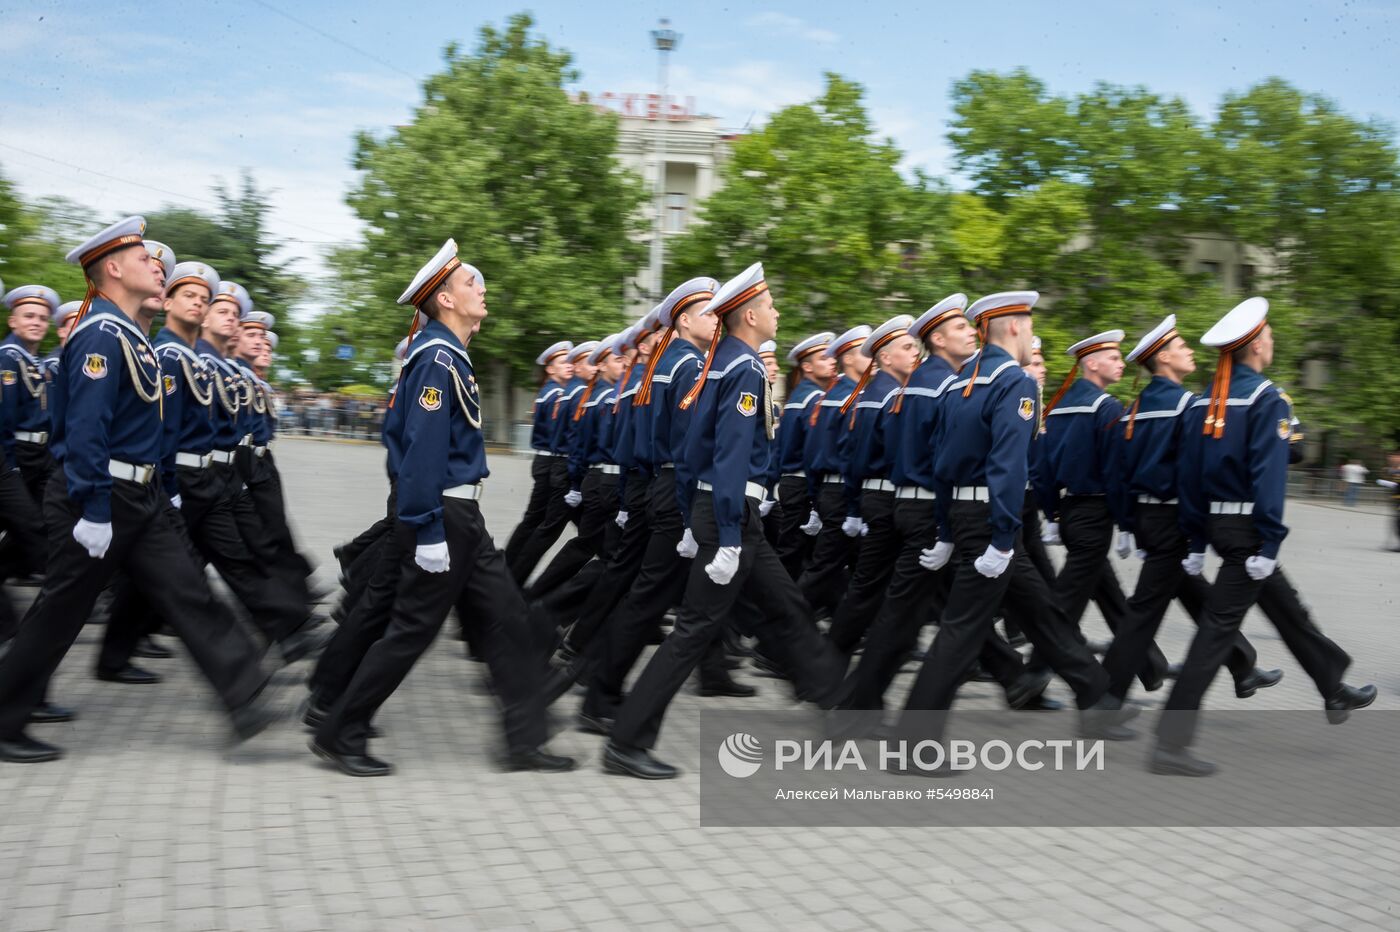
1354 476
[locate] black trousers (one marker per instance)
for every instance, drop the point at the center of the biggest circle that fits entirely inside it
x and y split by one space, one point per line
824 579
783 622
477 578
148 547
1233 593
974 600
557 515
365 621
535 507
264 491
915 596
25 545
879 550
794 505
1162 578
36 464
1086 527
622 567
660 583
596 530
351 552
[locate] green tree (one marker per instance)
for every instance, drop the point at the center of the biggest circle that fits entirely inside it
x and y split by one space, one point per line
817 198
524 178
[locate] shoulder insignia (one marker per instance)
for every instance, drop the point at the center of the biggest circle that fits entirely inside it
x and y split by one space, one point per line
1284 428
170 384
443 358
110 326
431 399
95 366
1026 409
748 404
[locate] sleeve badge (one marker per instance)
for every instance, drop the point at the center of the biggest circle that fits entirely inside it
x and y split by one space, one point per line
95 366
431 399
1284 428
8 377
1026 409
170 384
748 404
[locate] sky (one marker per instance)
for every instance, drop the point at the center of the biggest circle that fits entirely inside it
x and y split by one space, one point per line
131 107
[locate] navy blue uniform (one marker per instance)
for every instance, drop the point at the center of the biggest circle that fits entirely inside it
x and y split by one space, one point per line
189 404
229 417
795 500
542 469
823 580
24 415
538 530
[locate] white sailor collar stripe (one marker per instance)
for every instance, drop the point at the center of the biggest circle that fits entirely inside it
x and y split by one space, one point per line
1239 402
1081 409
20 352
803 404
1160 412
735 363
438 341
982 379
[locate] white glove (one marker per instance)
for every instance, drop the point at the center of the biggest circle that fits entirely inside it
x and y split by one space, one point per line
1125 545
573 497
1194 564
936 557
1385 483
851 526
813 527
1260 567
176 501
765 506
95 537
1140 554
433 557
722 568
994 562
864 529
1050 534
688 548
621 519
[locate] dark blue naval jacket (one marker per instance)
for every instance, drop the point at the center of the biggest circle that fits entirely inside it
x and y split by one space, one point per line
587 449
100 413
918 421
561 416
1082 441
728 441
792 431
1149 463
1249 463
623 427
659 426
824 448
435 440
189 401
542 433
257 412
24 403
872 440
227 404
985 438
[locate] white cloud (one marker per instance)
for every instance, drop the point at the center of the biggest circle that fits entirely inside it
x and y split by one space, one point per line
794 26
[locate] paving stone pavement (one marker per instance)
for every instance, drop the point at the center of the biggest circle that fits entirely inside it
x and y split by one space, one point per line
152 821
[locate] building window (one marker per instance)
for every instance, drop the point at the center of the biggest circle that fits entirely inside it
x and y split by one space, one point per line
1247 278
1212 269
675 212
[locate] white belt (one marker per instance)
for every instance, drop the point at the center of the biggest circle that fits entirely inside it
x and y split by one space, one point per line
830 479
470 492
915 492
1232 508
751 489
194 460
246 440
119 470
32 436
877 485
1150 500
972 493
667 466
260 451
549 453
800 474
608 469
222 456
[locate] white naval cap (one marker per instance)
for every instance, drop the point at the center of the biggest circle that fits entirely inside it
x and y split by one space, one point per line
562 348
435 272
65 311
1237 328
768 347
685 297
605 347
401 351
33 294
192 273
886 333
627 339
259 319
650 322
162 254
1157 338
1001 304
738 291
123 233
272 340
813 344
583 349
232 291
847 341
1109 339
1036 344
942 312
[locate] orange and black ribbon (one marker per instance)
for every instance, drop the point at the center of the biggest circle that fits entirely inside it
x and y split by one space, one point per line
983 322
1220 389
740 299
